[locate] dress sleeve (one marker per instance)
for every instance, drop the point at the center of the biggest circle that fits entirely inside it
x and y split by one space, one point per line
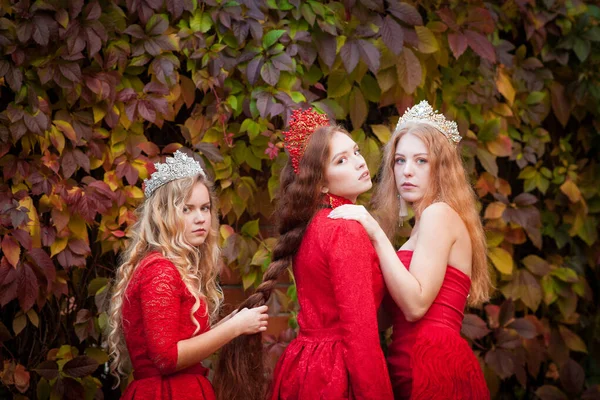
352 261
160 291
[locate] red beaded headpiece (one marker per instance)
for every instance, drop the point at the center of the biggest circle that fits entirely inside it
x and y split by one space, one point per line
302 125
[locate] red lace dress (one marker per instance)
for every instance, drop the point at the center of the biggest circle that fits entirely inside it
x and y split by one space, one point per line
337 354
156 315
428 359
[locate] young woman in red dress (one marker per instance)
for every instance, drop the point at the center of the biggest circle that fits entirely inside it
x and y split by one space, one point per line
439 269
337 354
166 294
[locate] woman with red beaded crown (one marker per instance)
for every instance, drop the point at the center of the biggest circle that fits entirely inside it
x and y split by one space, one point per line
337 354
441 266
166 294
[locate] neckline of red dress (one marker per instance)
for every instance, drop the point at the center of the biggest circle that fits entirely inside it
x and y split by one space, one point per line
333 201
448 265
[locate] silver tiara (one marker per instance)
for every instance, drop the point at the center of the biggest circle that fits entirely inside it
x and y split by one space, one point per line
176 167
424 113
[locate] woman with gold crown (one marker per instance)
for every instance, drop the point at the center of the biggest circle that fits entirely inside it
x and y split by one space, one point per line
337 354
166 294
440 268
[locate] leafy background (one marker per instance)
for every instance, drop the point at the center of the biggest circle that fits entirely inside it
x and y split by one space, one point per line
93 92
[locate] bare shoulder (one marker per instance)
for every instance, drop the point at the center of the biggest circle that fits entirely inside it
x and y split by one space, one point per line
440 212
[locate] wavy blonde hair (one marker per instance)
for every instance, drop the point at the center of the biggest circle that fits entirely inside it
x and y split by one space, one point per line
449 183
160 227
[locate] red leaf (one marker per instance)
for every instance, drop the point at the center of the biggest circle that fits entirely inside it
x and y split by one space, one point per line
80 366
28 287
474 327
560 103
8 292
480 20
572 377
70 71
145 111
524 328
23 237
409 70
69 165
481 45
44 262
501 362
449 18
525 199
47 369
392 35
82 160
7 272
326 47
11 250
405 13
548 392
270 73
350 55
458 43
79 246
369 54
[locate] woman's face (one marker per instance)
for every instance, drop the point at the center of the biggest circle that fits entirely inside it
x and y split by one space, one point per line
346 173
196 214
411 168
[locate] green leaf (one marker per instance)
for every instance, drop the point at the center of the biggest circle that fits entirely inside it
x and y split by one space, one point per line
535 98
271 37
338 84
565 274
250 228
582 49
248 279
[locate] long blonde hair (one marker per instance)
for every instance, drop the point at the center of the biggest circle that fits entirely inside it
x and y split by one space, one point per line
160 227
449 183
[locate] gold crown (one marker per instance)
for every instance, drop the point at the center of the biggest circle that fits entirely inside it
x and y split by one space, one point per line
425 114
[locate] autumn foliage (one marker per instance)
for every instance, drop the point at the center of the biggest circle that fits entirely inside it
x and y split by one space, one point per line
92 92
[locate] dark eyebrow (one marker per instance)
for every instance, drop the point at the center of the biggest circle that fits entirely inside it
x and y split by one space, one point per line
343 152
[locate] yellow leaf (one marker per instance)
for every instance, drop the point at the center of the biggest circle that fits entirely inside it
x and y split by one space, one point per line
33 226
141 168
571 190
19 323
57 139
501 146
59 245
503 109
571 339
99 113
67 129
505 87
33 317
78 228
382 132
427 41
502 260
226 231
494 210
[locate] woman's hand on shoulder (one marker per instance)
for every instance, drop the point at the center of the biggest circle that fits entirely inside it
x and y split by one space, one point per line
251 320
358 213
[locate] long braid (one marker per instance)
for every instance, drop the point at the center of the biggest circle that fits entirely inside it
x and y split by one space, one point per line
239 375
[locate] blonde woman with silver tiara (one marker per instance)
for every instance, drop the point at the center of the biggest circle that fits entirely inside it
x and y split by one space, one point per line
166 294
440 268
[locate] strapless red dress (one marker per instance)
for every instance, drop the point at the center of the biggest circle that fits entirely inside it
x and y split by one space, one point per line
428 359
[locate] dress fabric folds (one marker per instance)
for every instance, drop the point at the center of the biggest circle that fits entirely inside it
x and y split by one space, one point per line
428 359
156 315
337 353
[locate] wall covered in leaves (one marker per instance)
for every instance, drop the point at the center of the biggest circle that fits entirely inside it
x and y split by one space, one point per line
92 92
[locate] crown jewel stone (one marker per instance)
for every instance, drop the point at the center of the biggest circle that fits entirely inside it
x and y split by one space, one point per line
424 113
176 167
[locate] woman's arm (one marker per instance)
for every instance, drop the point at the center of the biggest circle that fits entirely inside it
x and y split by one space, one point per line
245 322
413 291
352 263
160 290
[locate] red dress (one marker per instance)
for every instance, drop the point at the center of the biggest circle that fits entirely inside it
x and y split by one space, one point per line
337 354
156 315
428 359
